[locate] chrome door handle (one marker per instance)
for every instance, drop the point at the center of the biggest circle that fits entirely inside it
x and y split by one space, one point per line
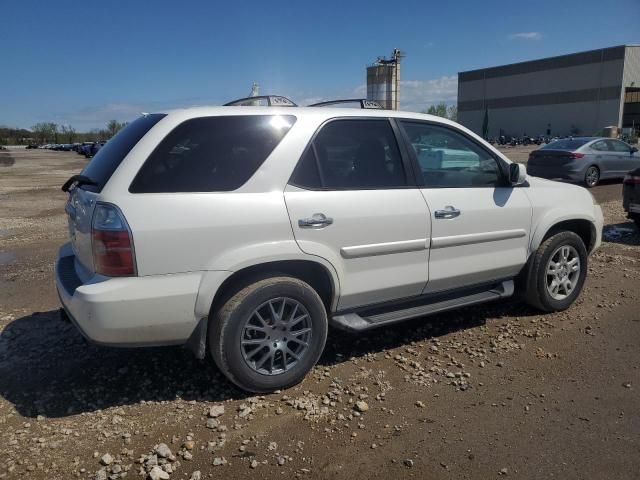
317 220
448 212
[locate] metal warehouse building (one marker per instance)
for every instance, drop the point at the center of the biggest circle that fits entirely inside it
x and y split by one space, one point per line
576 94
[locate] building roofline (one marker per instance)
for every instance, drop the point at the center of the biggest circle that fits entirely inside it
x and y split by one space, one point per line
475 70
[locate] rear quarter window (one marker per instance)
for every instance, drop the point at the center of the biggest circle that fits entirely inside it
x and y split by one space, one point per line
110 156
211 154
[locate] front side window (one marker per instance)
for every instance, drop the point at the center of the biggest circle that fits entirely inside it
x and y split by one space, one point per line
211 154
352 155
449 159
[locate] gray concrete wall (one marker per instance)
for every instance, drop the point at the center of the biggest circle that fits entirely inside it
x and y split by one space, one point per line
564 119
580 92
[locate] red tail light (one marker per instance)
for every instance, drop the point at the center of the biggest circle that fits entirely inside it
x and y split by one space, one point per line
576 155
113 253
632 179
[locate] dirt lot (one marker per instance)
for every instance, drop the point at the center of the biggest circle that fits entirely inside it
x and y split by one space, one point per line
496 391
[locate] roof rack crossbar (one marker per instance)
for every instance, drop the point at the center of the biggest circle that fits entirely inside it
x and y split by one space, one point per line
272 101
364 103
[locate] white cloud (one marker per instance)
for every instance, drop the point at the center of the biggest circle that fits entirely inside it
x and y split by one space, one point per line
415 95
526 36
418 95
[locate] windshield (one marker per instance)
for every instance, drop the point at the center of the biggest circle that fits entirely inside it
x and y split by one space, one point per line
566 144
113 152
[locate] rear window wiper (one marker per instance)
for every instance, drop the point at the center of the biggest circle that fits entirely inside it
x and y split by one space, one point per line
78 180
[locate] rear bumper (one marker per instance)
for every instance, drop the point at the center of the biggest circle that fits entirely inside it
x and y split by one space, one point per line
568 172
128 311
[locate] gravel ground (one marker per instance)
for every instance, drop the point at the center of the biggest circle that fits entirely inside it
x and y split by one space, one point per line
485 392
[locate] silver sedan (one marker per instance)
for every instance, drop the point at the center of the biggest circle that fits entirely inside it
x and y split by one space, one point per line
583 159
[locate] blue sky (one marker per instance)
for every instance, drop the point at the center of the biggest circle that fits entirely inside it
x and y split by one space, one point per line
83 62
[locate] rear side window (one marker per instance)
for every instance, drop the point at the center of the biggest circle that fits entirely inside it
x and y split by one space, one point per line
601 146
211 154
109 157
352 155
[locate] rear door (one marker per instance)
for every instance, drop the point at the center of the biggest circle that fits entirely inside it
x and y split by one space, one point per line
352 201
480 224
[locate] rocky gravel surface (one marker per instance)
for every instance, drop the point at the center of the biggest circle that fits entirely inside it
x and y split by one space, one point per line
497 391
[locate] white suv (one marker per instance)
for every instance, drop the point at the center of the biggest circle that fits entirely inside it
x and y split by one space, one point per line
247 231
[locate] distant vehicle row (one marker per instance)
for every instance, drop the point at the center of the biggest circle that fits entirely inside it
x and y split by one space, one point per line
584 159
88 149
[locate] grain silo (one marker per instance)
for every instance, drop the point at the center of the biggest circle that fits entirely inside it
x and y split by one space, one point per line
383 81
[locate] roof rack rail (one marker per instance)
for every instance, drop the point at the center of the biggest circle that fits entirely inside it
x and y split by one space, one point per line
262 101
364 103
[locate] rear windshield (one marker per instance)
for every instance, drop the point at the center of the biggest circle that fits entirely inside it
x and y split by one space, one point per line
102 166
565 144
211 154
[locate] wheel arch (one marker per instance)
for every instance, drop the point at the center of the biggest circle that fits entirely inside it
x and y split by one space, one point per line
218 286
584 227
317 275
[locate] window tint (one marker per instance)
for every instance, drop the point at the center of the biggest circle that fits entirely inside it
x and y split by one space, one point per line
449 159
353 155
618 146
211 154
306 174
111 154
600 146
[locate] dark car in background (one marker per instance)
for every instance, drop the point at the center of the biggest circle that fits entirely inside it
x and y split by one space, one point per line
583 159
631 195
92 149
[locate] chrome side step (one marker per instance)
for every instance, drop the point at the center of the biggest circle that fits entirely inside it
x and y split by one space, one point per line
369 319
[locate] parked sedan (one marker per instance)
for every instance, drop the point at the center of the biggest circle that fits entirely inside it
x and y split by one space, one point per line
583 159
631 195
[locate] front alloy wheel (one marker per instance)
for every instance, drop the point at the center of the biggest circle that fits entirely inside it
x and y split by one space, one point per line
563 272
556 272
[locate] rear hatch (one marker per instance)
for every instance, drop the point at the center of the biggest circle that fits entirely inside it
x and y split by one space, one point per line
84 192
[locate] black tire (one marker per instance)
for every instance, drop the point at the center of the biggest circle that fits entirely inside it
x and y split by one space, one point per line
227 324
536 293
636 219
591 176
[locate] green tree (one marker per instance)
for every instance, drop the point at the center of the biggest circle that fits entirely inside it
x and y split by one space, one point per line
452 112
68 132
45 132
114 127
439 110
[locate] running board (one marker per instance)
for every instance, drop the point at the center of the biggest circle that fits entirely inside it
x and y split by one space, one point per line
369 319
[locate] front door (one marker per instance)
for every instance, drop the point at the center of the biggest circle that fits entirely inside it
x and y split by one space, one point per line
351 203
480 225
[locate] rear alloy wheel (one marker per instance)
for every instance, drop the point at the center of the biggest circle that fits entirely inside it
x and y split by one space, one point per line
592 176
269 334
276 336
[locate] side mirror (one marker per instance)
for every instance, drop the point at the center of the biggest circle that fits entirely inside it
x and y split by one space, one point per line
634 150
517 174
